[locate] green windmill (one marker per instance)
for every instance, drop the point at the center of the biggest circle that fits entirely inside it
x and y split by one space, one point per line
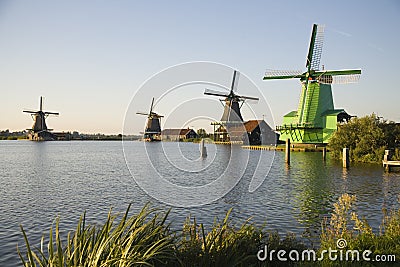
315 119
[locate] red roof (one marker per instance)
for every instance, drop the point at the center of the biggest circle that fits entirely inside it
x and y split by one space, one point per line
248 126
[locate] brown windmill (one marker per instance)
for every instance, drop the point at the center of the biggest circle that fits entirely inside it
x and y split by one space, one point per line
39 131
152 131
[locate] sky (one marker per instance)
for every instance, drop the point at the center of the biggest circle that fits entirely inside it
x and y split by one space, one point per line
95 62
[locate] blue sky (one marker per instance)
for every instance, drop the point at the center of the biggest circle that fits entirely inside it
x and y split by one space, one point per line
88 58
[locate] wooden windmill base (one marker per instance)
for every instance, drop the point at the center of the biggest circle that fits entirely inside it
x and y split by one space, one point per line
41 136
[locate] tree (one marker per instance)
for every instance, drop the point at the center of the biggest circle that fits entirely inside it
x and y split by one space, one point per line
201 133
391 130
366 137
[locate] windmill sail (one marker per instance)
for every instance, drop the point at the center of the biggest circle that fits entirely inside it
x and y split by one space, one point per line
315 48
216 93
339 77
283 74
235 81
232 112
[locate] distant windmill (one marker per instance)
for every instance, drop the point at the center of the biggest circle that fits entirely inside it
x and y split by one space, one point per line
232 107
39 129
231 121
152 131
315 119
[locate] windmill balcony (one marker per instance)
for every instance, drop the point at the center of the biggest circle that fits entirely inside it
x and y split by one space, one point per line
305 125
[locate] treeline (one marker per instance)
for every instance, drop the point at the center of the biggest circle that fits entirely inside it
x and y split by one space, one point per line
7 135
367 138
12 137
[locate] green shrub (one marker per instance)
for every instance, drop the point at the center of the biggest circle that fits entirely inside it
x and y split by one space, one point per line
367 138
345 223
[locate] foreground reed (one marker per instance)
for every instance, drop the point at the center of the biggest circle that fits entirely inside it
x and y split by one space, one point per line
143 239
146 239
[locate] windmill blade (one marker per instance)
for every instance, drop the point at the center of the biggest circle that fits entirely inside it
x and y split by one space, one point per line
283 74
338 76
249 98
235 81
337 72
143 113
51 113
340 79
157 115
315 48
30 111
151 106
217 93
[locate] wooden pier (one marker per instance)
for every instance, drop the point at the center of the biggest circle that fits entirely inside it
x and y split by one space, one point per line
228 142
260 147
389 164
282 148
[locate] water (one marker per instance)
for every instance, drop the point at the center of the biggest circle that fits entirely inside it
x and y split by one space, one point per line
40 181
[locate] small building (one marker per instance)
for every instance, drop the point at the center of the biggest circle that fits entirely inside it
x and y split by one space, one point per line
178 134
62 136
252 132
260 133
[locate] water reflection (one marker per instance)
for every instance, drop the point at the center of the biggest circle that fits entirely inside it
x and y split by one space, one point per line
345 172
390 184
312 189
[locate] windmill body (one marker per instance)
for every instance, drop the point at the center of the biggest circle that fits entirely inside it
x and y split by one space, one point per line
39 131
152 131
232 112
315 119
39 122
153 125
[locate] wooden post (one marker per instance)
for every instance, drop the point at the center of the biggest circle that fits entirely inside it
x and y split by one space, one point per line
324 153
287 152
387 166
386 158
346 158
203 149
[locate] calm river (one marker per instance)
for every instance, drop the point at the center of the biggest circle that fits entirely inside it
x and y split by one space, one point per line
40 181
